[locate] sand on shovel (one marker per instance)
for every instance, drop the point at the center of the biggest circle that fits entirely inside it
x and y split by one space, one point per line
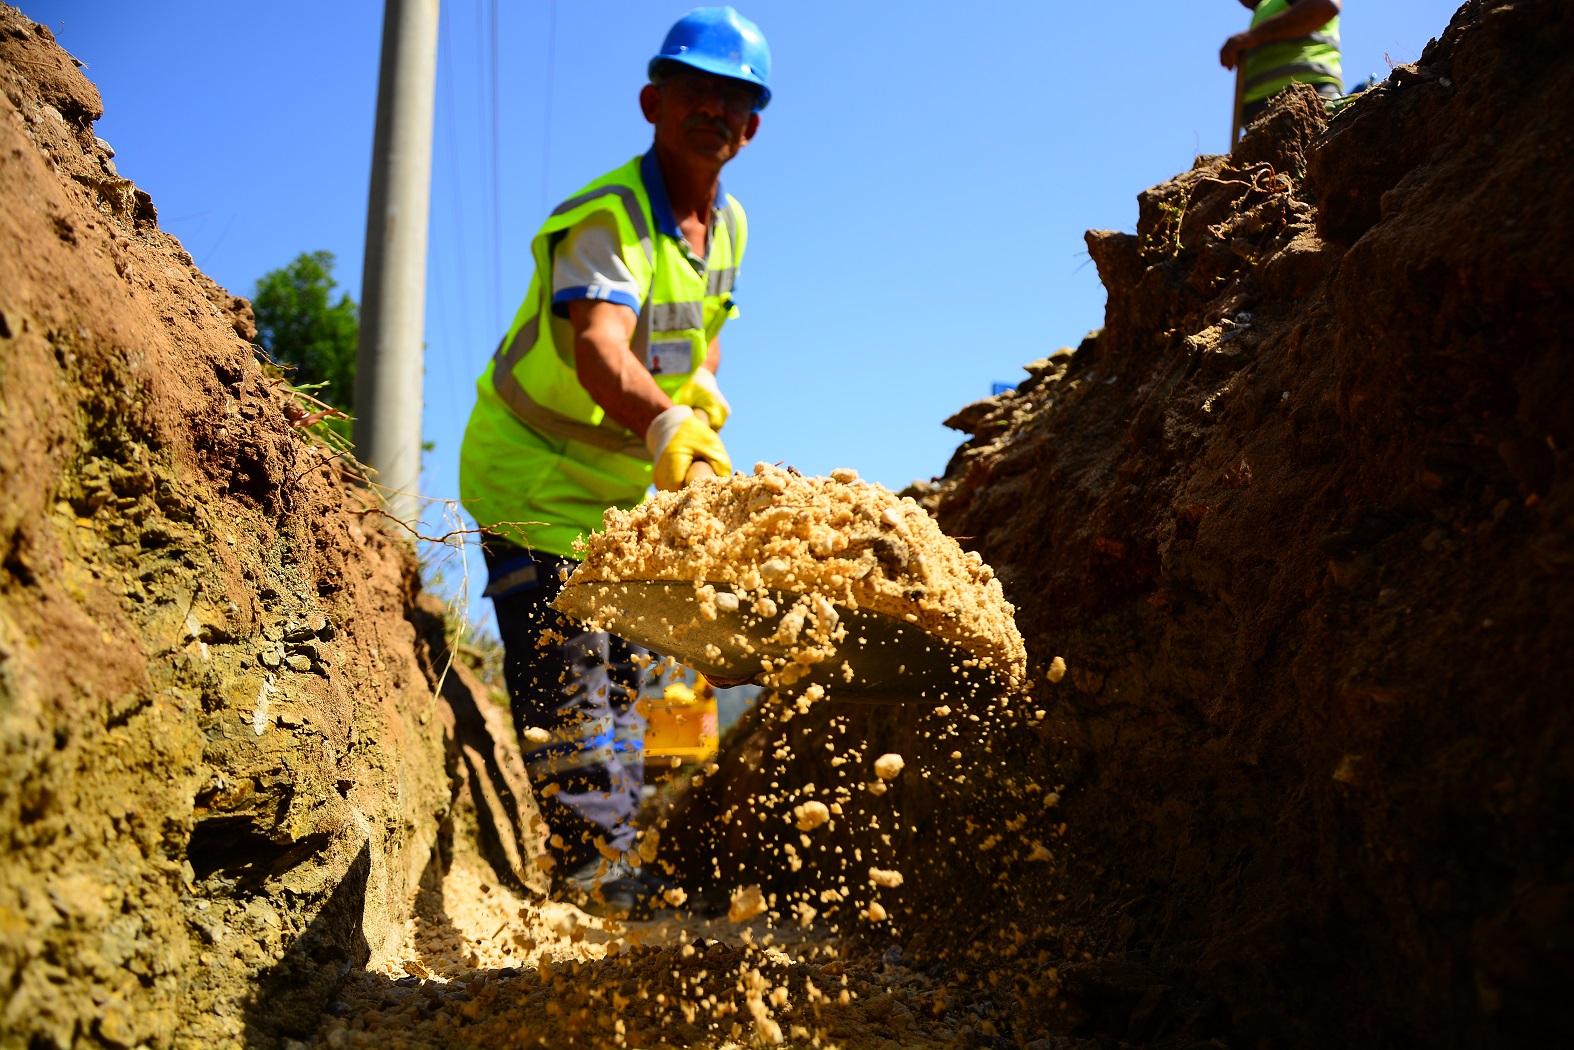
832 542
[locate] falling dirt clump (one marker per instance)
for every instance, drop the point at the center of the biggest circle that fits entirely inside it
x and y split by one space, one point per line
889 879
810 815
746 904
836 540
888 767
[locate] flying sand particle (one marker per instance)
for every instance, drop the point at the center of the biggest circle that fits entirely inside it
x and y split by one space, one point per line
747 902
810 815
888 766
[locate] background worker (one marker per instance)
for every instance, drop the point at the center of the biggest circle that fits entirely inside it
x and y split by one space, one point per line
593 394
1289 42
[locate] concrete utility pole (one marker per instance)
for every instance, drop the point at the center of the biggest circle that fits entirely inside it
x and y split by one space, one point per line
388 358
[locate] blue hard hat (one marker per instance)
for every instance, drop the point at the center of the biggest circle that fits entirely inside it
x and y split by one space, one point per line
721 41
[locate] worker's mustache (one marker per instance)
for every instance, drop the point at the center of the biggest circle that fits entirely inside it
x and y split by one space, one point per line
699 120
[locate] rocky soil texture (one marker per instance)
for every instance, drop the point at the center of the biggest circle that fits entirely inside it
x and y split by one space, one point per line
223 766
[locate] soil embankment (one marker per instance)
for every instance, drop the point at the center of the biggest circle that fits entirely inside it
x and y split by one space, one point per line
1300 520
223 769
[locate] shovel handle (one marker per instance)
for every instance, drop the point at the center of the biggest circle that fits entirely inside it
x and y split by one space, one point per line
1237 116
699 468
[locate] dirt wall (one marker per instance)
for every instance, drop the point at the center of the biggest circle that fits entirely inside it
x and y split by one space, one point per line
1300 520
223 768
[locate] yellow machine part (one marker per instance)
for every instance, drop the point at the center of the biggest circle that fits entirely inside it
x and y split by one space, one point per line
681 723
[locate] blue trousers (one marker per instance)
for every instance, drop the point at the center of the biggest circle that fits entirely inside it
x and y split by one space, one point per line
578 687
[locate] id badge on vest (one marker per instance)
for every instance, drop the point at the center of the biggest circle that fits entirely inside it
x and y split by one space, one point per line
671 358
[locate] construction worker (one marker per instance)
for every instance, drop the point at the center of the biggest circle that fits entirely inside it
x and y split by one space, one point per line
1289 42
605 382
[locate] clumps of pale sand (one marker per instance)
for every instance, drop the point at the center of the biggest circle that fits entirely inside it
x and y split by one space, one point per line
882 877
834 541
810 815
888 767
747 902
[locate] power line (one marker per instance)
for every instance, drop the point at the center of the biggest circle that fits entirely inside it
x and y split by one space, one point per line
482 168
441 250
446 66
497 182
546 123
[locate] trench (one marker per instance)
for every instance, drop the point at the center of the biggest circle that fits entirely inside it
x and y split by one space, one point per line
1288 543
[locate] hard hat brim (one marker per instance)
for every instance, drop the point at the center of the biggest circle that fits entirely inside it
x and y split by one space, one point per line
716 68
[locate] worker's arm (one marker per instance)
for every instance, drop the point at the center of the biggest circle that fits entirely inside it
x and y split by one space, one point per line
620 384
713 359
608 369
1300 19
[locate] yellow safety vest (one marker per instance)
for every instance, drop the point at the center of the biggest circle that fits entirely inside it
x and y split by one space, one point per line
541 461
1310 59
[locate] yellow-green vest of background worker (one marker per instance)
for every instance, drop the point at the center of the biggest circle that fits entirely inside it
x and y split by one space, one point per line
604 384
1288 42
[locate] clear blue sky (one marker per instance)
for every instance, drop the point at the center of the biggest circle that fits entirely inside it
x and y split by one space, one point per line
916 196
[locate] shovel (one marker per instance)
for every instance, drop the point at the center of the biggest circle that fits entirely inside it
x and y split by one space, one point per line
880 659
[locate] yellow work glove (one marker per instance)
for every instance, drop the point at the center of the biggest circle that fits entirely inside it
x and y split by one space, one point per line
677 438
701 392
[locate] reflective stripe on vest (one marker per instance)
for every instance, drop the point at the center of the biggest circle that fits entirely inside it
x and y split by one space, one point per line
630 205
1292 69
606 435
673 317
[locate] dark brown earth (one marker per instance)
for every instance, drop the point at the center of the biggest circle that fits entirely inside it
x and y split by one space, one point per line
1300 519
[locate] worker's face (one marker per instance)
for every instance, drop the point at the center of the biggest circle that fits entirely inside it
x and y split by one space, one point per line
702 117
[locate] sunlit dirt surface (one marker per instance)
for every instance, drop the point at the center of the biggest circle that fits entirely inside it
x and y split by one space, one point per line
482 967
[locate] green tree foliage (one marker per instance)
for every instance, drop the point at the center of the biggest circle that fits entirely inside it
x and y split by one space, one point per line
299 324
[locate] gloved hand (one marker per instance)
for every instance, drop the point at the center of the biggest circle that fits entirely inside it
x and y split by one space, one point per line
677 438
701 392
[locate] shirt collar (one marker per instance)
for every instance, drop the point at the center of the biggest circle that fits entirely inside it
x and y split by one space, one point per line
660 207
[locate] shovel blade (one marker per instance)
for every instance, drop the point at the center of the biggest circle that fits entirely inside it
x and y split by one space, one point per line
880 659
